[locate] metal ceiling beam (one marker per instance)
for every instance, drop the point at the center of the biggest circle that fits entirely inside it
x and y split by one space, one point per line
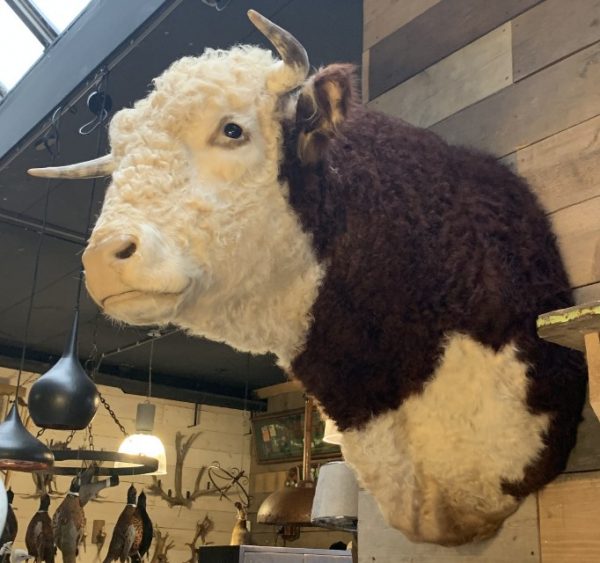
37 23
33 224
186 395
188 390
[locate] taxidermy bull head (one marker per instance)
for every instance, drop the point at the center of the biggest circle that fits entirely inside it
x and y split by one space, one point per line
398 278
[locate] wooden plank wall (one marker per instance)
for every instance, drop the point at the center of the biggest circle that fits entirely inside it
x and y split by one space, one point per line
521 79
224 438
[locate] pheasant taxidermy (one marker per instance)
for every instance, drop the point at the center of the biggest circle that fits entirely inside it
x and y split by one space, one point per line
68 523
128 532
240 534
39 537
11 527
147 528
13 555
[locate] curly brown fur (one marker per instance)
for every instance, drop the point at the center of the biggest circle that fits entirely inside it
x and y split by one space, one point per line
423 239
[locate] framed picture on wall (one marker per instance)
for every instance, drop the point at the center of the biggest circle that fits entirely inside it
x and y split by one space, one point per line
278 437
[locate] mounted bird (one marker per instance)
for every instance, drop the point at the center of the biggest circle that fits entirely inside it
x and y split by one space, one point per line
128 531
68 523
13 555
147 528
39 537
240 534
11 527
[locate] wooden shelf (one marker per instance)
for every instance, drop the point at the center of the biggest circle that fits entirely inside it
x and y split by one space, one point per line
577 327
568 327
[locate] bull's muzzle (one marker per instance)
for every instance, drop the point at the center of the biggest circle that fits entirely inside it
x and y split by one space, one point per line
103 262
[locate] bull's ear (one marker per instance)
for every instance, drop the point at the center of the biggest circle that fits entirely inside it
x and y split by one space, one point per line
323 105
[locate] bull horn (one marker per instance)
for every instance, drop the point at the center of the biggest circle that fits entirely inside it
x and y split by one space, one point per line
96 168
294 67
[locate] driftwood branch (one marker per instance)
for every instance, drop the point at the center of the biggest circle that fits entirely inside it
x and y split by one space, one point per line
203 527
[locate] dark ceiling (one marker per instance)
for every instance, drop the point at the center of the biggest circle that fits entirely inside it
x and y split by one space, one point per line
185 368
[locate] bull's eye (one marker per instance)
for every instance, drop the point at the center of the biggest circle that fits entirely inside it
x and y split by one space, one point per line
233 130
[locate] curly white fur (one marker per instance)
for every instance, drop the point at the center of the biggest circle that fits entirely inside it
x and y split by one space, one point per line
220 251
435 465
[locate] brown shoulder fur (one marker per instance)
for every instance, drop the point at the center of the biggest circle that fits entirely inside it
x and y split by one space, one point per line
420 239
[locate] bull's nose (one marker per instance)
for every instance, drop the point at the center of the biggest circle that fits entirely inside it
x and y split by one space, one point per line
119 247
102 260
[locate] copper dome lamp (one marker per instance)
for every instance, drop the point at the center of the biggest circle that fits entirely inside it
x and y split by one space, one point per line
291 507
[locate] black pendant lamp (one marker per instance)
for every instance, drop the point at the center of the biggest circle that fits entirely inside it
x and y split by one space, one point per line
19 450
64 398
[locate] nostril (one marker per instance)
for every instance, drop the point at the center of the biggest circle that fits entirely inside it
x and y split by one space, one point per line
126 252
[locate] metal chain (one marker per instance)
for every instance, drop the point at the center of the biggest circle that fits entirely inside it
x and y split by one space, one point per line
91 437
113 415
70 438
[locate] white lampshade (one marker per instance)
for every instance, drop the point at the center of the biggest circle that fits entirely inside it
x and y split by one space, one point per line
336 497
331 434
147 445
3 505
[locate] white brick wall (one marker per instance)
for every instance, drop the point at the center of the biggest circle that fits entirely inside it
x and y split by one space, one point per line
223 438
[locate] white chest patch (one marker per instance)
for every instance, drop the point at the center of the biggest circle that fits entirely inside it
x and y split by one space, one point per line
436 464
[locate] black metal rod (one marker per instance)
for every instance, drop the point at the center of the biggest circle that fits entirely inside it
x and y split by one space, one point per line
136 344
33 224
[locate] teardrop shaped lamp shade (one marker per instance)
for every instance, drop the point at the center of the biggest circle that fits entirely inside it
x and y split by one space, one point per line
19 450
64 398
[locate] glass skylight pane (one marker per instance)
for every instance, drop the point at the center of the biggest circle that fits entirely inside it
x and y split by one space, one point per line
60 13
19 48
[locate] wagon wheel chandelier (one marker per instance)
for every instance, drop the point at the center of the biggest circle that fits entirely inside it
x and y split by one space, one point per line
125 463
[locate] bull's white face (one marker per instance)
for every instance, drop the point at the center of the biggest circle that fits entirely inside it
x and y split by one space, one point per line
196 229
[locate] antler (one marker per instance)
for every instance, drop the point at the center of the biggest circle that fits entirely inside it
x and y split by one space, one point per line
179 498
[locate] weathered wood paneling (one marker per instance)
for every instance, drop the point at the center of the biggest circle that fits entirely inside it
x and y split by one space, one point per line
550 101
578 231
517 541
374 8
551 31
446 27
586 294
364 80
569 516
383 17
564 169
465 77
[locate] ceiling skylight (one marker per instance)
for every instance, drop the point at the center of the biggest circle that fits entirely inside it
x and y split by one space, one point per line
19 47
60 14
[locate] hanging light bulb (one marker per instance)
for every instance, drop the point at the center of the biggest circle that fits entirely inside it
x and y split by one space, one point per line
19 450
64 398
143 442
